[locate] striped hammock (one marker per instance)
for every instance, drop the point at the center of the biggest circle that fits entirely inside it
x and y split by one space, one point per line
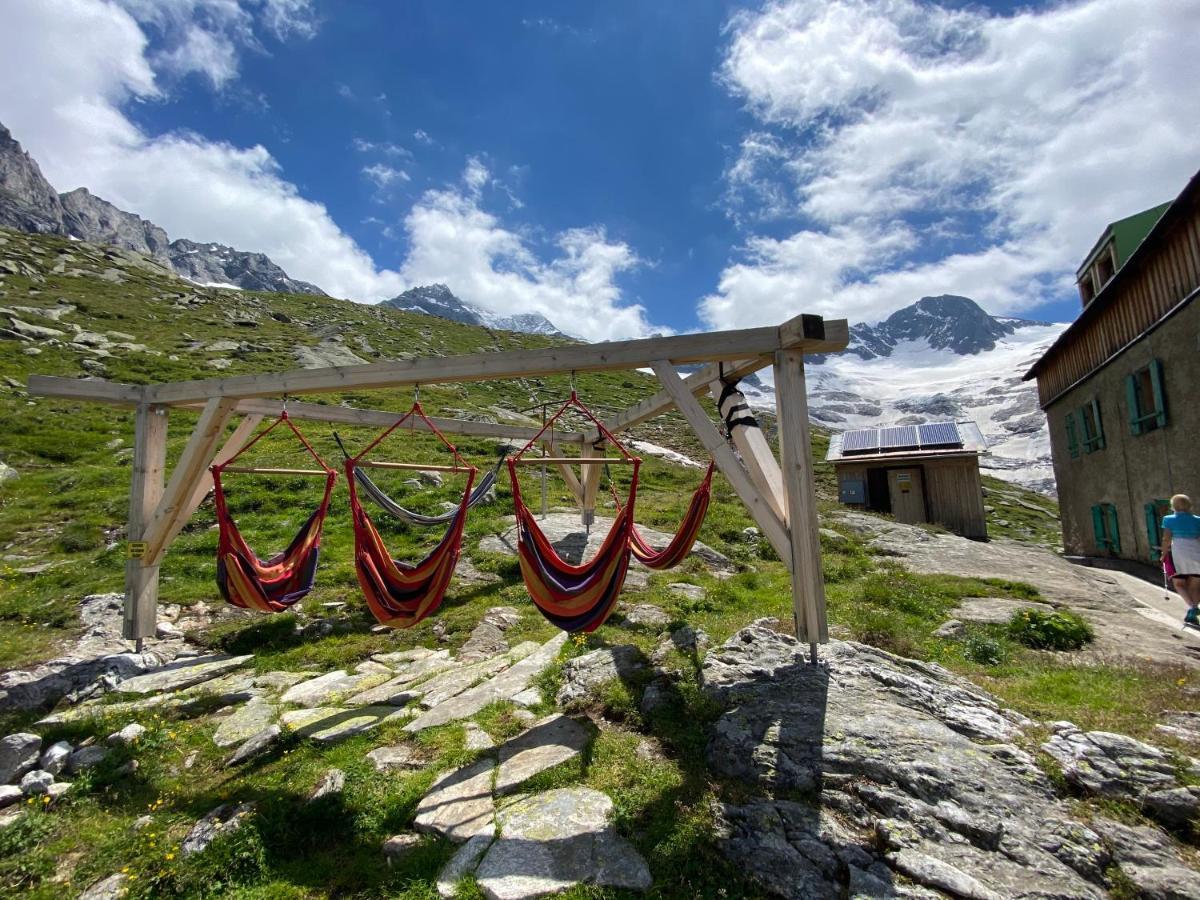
401 594
681 544
573 597
276 584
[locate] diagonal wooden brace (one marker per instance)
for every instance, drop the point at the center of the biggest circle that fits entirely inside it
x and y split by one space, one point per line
681 395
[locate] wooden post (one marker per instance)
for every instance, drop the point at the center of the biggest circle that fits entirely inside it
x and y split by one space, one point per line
772 527
186 476
141 580
752 444
590 476
808 584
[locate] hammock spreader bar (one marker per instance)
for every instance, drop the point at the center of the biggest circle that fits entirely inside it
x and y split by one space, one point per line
390 506
276 584
681 544
574 597
401 594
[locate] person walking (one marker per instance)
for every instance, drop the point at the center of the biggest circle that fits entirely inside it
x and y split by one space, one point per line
1181 538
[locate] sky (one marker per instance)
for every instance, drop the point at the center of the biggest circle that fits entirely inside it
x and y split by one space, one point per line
624 168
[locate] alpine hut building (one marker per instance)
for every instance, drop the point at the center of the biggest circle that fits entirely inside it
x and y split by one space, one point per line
916 473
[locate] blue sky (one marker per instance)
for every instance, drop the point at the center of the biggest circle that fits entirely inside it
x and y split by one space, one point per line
628 166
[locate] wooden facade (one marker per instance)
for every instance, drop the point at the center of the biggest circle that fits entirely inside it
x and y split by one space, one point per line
944 488
1155 281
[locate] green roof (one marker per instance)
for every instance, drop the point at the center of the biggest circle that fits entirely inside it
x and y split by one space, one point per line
1126 234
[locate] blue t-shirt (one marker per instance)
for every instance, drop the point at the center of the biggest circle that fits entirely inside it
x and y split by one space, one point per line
1183 525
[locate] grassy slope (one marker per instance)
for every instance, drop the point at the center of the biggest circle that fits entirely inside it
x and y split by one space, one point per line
68 506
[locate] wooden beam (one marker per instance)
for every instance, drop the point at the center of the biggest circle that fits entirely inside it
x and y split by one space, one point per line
591 460
130 395
140 616
808 584
804 333
752 445
772 528
187 475
573 484
236 442
95 391
661 402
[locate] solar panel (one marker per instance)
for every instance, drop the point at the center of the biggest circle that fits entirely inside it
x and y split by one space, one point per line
939 434
897 437
860 441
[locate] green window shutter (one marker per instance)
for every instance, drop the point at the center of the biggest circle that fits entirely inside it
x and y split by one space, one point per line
1156 381
1098 437
1072 436
1098 527
1153 534
1114 533
1131 396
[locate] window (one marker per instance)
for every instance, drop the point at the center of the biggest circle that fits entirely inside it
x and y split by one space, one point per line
1104 527
1147 405
1072 436
1155 510
1086 291
1091 428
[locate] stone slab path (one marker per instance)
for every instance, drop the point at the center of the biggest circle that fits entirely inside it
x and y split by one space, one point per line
326 724
553 740
459 805
184 672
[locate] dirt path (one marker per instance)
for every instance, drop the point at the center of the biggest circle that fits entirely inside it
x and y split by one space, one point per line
1132 619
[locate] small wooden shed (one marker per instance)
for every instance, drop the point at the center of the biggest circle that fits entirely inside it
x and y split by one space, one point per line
916 473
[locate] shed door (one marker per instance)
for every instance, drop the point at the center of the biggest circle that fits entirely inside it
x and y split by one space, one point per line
908 495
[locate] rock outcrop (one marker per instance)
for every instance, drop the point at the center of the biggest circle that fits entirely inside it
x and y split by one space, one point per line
910 774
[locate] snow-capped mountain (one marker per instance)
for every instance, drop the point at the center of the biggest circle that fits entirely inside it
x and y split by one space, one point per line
439 300
940 358
29 203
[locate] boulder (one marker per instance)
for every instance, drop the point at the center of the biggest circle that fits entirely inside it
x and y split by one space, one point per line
647 616
127 736
402 757
1175 808
399 846
1148 860
914 771
36 782
18 754
332 783
255 745
464 862
9 794
110 888
553 841
86 758
225 819
583 674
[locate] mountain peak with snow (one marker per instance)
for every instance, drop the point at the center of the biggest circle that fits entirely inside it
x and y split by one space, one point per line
438 300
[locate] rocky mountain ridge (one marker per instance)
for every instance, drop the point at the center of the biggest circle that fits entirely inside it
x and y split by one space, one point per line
29 203
439 300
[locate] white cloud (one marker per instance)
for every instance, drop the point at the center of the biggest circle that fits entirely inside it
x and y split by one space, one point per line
422 137
1028 132
387 148
384 176
206 37
454 240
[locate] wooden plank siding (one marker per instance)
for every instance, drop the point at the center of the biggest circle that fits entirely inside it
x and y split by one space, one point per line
1163 273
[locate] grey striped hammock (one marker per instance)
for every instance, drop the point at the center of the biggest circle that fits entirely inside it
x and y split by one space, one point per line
390 506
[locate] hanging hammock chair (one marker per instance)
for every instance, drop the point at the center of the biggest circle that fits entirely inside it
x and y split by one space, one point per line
680 545
276 584
390 506
401 594
573 597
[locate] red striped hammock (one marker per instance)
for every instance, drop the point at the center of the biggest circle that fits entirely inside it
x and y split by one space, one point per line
401 594
276 584
681 544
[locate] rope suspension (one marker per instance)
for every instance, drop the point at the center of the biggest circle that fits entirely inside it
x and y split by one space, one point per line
274 585
401 594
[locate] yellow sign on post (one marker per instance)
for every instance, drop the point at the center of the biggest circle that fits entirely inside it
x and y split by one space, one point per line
135 549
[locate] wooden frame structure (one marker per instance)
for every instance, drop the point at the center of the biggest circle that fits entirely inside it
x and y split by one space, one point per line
780 496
